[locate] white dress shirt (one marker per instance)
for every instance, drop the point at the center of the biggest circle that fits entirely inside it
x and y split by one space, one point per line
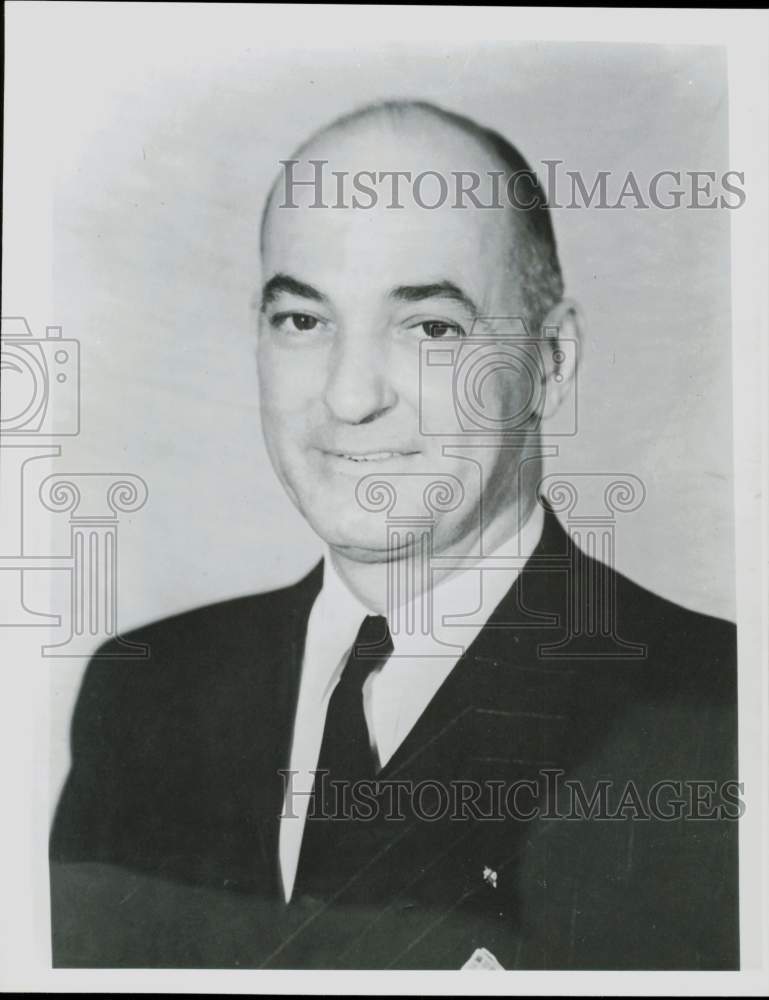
395 696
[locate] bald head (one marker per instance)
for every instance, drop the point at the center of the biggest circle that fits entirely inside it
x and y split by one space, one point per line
382 155
390 326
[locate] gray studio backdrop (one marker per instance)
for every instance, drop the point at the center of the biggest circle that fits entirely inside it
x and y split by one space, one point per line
155 242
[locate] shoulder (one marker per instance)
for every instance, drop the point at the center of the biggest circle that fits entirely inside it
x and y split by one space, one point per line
221 622
187 654
663 675
680 646
683 646
144 727
668 704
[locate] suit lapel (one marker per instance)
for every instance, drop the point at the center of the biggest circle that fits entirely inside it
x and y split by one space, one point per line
501 677
502 715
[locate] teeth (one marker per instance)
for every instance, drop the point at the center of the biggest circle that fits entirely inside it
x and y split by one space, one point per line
374 456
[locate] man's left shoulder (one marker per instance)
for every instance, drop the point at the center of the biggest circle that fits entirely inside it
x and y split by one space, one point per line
683 647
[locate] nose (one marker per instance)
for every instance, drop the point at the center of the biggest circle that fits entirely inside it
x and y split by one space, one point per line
358 386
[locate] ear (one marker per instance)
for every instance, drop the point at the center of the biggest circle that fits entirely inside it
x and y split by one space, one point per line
562 331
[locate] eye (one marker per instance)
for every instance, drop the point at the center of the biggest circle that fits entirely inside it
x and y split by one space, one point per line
436 329
303 322
294 322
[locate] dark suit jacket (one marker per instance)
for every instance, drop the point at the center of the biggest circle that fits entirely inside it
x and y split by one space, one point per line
164 845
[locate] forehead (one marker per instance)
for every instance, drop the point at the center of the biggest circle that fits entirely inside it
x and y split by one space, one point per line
339 246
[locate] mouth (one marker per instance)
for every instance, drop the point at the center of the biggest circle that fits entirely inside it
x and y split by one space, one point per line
370 456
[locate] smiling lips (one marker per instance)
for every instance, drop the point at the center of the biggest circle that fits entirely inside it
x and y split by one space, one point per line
370 456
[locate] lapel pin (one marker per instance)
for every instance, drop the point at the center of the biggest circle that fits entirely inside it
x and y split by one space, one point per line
482 960
490 877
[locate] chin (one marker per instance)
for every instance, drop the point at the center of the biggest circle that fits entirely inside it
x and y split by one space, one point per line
368 544
361 554
359 531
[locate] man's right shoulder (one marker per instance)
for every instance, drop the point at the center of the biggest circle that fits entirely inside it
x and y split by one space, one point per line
165 733
223 637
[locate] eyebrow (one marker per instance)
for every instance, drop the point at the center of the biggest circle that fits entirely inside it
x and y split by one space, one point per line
281 283
284 283
436 290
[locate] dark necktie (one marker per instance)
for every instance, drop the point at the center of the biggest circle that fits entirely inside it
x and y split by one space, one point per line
347 755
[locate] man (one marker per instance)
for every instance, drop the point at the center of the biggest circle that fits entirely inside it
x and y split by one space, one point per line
367 769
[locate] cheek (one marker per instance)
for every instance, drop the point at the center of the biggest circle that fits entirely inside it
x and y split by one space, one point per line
290 384
434 396
402 372
480 393
511 395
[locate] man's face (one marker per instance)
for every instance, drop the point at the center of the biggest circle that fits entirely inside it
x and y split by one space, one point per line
349 296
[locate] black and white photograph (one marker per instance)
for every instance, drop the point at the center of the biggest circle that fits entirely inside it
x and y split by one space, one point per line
384 549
